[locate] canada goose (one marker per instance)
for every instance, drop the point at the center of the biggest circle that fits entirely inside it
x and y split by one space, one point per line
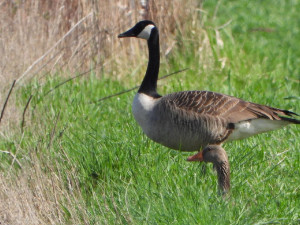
216 155
191 120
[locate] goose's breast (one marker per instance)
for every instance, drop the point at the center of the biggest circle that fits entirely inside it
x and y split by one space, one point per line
159 126
143 111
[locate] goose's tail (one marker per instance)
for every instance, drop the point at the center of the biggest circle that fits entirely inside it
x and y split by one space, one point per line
290 119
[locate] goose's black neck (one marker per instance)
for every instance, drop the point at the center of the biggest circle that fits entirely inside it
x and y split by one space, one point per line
149 83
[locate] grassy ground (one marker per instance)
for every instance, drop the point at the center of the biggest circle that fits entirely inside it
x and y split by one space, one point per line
94 165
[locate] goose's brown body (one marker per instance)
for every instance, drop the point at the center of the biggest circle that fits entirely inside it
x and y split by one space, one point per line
191 120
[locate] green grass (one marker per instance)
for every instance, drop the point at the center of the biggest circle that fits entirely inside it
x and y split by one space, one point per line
125 178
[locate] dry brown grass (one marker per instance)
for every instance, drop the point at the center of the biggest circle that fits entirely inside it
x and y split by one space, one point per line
42 37
34 196
33 187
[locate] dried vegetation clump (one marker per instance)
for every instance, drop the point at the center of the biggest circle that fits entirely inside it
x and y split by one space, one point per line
39 38
35 197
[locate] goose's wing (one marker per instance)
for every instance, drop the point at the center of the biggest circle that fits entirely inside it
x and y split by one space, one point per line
233 110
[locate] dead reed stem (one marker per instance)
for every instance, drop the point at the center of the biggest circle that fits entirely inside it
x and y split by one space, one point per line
6 100
24 112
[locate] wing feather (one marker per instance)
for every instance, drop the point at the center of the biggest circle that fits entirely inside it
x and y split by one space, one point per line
232 109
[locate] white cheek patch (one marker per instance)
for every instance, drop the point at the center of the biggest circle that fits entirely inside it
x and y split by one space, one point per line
145 33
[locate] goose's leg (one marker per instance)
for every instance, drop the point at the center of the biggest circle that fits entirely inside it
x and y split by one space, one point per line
203 168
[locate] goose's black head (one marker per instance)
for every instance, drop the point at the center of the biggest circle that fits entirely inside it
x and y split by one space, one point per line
142 30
